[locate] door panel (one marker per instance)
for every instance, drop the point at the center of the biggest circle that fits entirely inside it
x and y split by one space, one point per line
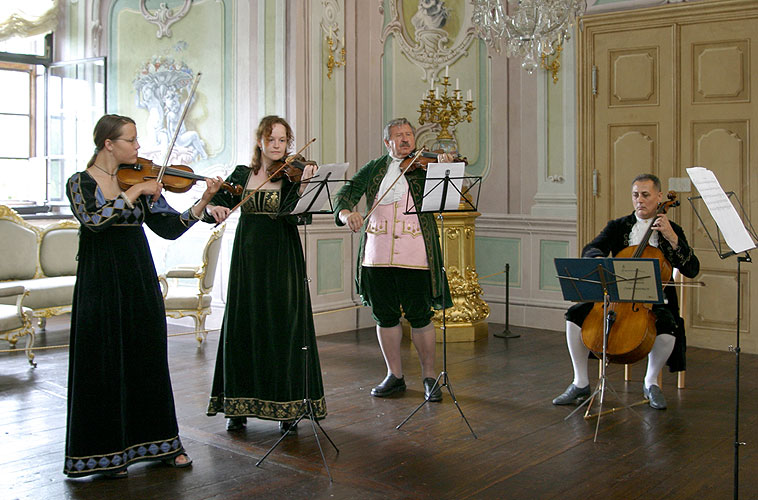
718 108
660 90
634 116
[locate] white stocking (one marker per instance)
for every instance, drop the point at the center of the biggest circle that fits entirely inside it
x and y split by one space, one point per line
659 354
578 353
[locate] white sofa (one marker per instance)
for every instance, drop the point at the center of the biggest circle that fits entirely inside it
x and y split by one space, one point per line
40 259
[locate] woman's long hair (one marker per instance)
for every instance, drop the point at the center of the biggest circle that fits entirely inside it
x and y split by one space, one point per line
264 131
107 127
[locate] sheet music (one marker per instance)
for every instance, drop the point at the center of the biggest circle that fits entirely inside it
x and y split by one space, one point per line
316 195
636 280
721 209
433 188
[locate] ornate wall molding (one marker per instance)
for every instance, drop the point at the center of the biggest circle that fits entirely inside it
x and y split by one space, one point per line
164 17
431 48
96 28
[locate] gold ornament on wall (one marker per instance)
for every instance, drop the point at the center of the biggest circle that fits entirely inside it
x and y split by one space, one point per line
332 44
552 63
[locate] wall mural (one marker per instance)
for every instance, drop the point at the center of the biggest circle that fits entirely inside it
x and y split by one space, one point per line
151 80
162 88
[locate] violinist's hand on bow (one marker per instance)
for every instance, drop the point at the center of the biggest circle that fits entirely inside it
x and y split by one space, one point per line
309 171
663 226
150 188
211 188
353 220
445 158
219 213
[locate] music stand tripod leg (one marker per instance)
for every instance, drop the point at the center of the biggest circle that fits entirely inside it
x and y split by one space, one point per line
443 374
306 407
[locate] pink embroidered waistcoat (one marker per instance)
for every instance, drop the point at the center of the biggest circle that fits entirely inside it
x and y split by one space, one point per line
394 239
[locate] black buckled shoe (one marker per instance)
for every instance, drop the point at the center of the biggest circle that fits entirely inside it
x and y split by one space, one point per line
236 423
434 396
572 394
655 398
287 425
389 385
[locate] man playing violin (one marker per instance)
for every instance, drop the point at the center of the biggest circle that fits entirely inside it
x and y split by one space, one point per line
618 234
399 258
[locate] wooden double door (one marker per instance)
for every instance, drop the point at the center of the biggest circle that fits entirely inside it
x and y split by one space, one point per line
660 90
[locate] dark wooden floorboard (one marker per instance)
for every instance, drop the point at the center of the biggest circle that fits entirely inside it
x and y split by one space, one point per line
525 449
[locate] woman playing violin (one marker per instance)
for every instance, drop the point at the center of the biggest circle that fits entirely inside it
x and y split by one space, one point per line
618 234
120 403
259 366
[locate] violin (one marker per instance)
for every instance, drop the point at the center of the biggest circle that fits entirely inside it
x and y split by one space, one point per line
424 159
632 330
177 178
292 166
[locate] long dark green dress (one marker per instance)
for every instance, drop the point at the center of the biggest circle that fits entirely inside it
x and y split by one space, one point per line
268 318
120 402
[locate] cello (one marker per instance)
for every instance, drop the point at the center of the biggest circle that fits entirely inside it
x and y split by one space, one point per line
631 331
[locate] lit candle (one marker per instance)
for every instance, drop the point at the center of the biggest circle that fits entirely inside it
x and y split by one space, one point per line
446 68
437 93
468 95
431 84
456 84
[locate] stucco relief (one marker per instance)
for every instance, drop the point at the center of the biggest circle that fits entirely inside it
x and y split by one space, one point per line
424 38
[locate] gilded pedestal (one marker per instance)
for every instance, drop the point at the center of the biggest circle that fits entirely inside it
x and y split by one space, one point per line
466 320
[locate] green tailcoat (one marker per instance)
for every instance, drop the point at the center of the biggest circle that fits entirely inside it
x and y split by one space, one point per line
366 182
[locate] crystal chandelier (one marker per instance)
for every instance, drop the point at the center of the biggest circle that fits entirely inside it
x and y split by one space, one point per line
534 27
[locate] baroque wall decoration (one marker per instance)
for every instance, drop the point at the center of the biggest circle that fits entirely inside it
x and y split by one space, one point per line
164 17
425 42
162 87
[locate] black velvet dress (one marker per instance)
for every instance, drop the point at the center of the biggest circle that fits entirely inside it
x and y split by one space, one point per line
268 318
120 402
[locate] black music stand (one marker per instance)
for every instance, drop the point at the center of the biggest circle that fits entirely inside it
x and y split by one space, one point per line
714 192
608 280
306 204
450 194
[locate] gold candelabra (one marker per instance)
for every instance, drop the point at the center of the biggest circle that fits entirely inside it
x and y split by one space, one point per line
331 62
445 109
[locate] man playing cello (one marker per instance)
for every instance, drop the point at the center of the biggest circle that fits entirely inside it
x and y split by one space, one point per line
618 234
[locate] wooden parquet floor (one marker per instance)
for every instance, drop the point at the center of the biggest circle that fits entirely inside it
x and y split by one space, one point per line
525 449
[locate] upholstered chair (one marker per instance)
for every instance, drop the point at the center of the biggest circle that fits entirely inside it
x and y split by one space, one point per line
16 320
194 302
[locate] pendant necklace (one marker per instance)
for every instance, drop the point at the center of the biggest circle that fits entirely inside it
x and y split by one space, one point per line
105 171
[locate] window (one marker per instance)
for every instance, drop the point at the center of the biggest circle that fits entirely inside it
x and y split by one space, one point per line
18 148
47 114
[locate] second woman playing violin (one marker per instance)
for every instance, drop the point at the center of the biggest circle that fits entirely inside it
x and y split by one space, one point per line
259 367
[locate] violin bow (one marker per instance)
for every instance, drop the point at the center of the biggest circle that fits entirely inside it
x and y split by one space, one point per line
286 162
179 126
376 204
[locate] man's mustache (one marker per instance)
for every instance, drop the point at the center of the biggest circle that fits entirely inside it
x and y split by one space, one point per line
405 143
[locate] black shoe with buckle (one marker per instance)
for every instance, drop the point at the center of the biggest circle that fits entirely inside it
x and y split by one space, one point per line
389 385
236 423
435 395
287 425
572 394
655 398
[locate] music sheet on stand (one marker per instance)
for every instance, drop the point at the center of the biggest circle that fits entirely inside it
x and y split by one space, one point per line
337 171
435 174
637 280
722 210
